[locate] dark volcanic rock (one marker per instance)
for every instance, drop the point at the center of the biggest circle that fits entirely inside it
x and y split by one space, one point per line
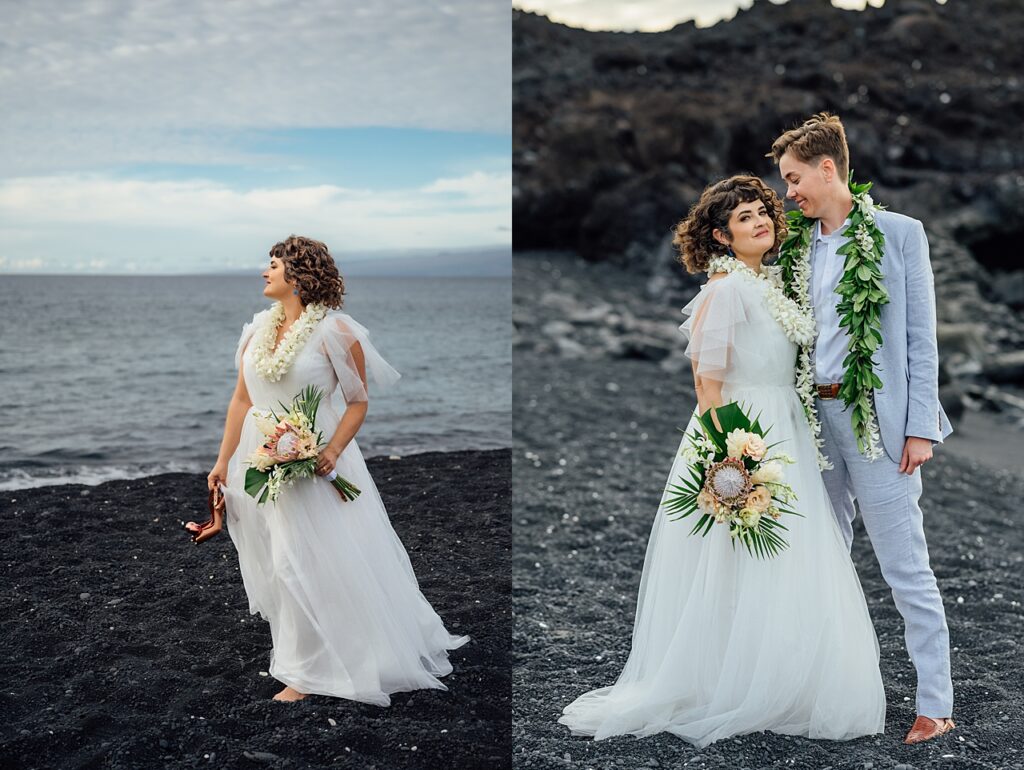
615 134
159 664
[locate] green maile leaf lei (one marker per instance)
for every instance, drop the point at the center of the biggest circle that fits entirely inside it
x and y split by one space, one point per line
862 296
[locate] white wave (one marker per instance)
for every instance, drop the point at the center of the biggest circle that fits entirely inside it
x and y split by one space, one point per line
91 475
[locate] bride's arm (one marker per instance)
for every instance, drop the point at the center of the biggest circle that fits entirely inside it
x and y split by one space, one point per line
355 412
709 390
240 403
709 394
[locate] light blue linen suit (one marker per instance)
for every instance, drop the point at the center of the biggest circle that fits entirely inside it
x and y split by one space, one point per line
907 404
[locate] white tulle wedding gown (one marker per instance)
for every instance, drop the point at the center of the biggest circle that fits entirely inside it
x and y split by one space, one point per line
346 615
724 643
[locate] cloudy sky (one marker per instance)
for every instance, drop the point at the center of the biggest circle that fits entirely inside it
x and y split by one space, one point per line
191 135
651 15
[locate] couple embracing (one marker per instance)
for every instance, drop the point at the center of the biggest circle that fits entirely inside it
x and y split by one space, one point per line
834 346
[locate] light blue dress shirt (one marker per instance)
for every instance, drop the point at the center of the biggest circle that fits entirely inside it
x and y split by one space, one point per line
832 344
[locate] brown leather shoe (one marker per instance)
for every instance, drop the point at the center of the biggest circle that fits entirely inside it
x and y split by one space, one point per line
926 728
202 532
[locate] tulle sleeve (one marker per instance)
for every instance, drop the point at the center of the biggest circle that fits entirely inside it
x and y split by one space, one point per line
247 331
342 333
715 314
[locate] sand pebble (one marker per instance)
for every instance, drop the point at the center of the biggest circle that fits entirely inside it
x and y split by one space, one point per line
261 756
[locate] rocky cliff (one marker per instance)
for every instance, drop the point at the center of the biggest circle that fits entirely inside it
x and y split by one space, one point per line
615 135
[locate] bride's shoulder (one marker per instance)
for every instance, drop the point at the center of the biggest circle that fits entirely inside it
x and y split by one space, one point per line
721 283
338 322
718 284
338 318
731 295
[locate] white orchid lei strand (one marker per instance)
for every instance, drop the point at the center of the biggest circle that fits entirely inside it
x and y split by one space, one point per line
795 321
801 282
798 323
271 366
863 295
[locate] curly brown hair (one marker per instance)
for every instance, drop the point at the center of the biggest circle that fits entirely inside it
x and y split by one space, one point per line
311 266
694 237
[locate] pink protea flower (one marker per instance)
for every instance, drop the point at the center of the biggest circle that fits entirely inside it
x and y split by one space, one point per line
728 482
285 444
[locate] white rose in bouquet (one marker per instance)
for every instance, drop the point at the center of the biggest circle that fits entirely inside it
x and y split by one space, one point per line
768 472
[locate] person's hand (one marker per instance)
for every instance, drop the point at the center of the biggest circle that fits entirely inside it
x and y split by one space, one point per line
217 477
326 460
916 452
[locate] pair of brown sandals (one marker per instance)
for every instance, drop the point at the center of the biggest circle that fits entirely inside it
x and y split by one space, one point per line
201 532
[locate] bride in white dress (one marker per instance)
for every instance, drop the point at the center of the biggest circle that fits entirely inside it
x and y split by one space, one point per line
346 615
725 643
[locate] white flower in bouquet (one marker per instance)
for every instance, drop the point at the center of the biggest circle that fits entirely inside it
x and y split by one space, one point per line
750 517
767 472
261 461
754 447
299 420
274 482
741 442
735 442
265 422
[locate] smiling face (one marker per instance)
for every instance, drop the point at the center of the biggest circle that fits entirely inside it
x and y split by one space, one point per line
809 185
276 286
751 228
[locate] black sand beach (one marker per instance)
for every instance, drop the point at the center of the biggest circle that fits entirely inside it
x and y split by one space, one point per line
125 646
598 398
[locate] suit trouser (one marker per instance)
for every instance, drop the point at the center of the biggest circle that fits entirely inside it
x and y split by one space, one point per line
888 503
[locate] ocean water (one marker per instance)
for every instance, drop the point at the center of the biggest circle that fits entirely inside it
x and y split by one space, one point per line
107 377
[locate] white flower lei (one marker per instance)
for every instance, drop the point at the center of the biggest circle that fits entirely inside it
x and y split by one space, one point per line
804 369
800 289
797 320
272 364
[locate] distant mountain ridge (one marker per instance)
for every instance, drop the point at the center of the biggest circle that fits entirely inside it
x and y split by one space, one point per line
489 261
481 262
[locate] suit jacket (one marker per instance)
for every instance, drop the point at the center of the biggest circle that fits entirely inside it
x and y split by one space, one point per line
907 404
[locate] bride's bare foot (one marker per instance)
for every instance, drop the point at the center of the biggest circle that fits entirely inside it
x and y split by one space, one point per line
289 694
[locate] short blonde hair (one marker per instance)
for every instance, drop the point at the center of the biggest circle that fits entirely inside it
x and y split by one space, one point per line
820 136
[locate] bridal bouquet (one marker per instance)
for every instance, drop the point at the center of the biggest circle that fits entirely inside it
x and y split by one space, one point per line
734 480
290 450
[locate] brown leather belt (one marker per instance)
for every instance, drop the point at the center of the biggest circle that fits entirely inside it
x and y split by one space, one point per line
829 390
